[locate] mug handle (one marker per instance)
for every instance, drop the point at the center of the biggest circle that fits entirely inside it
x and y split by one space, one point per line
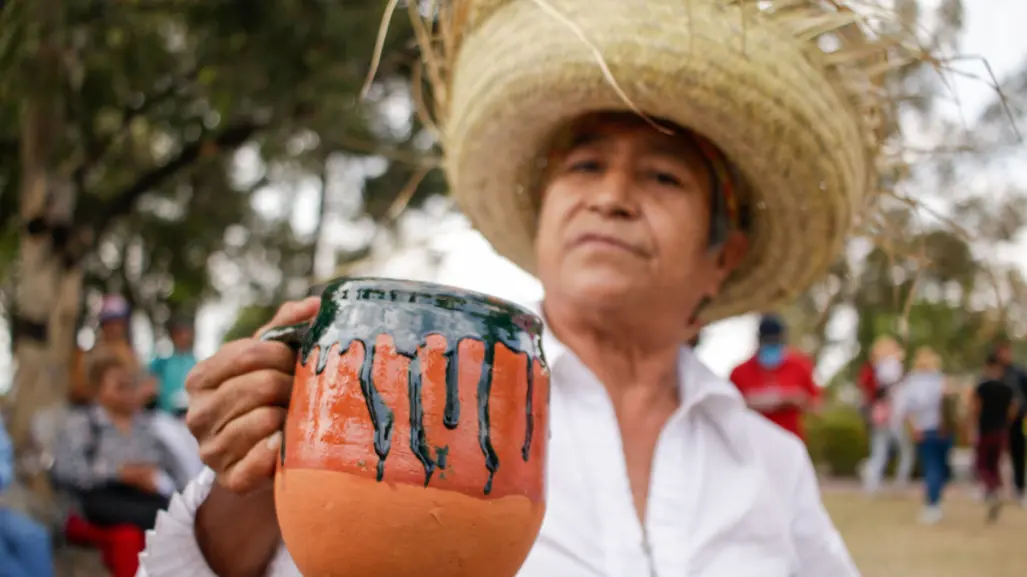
289 335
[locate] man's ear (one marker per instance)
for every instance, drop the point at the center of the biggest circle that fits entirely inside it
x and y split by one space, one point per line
729 256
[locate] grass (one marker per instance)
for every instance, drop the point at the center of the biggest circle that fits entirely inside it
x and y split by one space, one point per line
886 541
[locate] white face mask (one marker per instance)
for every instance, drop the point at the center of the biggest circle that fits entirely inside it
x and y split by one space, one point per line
888 371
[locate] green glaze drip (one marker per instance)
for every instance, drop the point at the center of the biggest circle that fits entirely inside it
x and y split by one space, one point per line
451 414
418 440
484 425
529 416
381 415
409 312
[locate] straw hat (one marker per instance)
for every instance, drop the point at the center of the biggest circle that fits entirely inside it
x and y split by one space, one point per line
789 90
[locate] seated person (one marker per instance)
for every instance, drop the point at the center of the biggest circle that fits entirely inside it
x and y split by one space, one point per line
109 456
24 544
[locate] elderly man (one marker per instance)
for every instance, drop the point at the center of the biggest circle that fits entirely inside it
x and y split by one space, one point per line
568 150
614 235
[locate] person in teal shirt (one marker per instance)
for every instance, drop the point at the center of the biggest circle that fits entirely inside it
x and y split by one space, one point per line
171 371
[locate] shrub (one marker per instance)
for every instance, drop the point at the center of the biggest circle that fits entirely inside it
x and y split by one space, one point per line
837 440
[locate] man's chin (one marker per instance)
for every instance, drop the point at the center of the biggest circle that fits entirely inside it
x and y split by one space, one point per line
604 290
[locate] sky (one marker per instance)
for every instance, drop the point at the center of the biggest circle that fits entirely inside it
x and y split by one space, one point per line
461 257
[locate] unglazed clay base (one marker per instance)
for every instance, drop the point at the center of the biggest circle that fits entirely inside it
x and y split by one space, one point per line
344 525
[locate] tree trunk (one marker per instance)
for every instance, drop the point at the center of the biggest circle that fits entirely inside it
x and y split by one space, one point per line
48 281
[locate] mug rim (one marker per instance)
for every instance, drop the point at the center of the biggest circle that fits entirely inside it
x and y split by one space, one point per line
399 291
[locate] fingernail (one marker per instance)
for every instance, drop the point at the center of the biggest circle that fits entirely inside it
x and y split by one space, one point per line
274 441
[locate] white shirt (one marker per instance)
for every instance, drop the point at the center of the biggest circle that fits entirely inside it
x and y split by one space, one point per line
730 494
919 399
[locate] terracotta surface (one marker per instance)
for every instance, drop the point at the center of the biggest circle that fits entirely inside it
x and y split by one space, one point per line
378 475
364 528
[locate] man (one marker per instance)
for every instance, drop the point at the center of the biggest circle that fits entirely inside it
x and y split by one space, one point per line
640 233
172 370
168 413
992 407
601 295
777 381
1014 376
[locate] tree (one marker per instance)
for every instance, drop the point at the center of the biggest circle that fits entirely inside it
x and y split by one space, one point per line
916 272
128 116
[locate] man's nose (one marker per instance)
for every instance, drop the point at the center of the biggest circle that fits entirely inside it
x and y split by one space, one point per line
614 195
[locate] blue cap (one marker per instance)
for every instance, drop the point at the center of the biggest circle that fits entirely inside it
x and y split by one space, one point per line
114 307
772 327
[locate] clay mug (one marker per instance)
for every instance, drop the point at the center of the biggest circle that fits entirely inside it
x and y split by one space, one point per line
415 442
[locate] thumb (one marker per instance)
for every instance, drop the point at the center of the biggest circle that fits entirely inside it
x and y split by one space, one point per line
293 312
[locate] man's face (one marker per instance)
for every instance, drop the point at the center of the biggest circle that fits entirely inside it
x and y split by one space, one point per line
182 337
114 329
117 391
625 217
1004 353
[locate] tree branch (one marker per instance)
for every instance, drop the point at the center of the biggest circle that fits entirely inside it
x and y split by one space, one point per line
97 150
124 201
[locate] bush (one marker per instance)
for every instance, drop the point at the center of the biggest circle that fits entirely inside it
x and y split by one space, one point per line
837 441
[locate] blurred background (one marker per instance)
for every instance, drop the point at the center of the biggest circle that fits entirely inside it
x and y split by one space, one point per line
209 160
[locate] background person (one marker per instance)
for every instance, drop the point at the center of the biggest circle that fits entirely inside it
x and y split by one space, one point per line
109 456
993 406
1015 378
171 370
888 428
777 381
920 400
24 544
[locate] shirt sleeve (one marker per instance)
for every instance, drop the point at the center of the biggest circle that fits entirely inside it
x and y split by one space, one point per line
72 466
171 547
818 544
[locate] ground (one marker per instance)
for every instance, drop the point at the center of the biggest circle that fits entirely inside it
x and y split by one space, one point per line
886 541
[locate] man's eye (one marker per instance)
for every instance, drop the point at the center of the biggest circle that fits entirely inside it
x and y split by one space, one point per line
585 166
666 179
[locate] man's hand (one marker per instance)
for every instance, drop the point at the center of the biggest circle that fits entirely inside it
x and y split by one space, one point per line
238 400
237 406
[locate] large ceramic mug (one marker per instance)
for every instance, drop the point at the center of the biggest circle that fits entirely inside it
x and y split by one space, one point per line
415 443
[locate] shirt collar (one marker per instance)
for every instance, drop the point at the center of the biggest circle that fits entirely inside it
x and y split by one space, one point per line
697 384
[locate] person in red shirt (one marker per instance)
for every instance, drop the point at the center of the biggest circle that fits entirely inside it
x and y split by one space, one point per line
777 381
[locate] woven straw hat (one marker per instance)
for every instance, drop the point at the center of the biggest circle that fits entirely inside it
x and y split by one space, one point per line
790 91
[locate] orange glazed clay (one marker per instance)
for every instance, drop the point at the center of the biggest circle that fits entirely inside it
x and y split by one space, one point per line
416 437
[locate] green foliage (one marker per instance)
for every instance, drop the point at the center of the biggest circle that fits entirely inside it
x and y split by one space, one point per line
248 321
837 440
159 96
